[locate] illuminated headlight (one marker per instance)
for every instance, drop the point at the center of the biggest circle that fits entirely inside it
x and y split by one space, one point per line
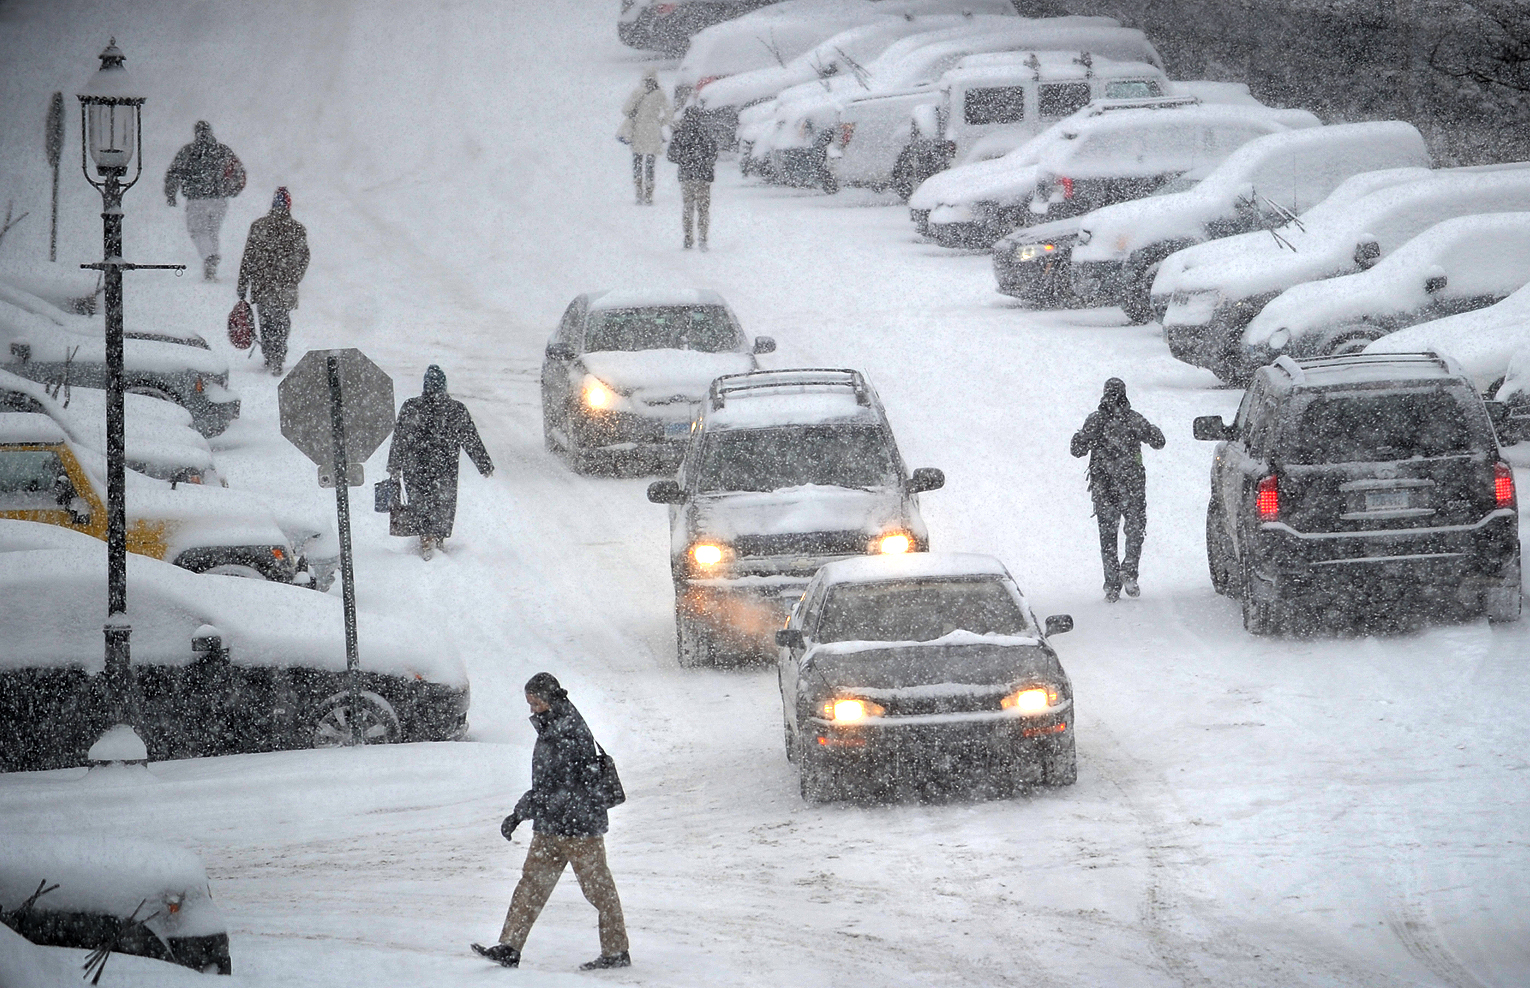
597 395
1280 338
201 384
708 554
851 711
1030 252
1031 700
892 544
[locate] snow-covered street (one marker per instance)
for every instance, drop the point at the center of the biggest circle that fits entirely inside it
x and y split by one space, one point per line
1313 812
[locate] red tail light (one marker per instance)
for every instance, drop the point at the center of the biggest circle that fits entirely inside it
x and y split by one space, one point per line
1503 485
846 131
1267 501
1067 187
705 81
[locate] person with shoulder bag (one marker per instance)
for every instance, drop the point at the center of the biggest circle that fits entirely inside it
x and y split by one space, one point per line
573 784
647 113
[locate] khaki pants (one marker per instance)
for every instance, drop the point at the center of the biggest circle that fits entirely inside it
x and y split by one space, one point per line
544 866
696 199
204 218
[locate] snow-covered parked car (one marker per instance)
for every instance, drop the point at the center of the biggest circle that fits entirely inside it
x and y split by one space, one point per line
626 372
1487 343
785 470
1453 267
930 667
219 666
1115 255
45 344
1213 290
95 885
667 25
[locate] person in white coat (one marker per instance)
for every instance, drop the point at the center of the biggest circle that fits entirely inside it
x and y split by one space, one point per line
647 113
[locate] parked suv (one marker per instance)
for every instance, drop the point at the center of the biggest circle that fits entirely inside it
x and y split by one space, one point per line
1349 484
785 471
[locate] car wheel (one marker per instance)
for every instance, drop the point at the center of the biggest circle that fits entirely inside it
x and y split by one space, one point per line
693 643
1346 342
1260 617
791 742
332 724
1059 767
814 780
1138 304
235 569
1218 553
548 439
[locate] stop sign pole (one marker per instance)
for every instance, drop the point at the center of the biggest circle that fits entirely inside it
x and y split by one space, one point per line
343 517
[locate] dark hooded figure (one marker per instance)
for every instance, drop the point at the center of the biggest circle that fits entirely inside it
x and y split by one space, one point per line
1112 438
208 174
570 819
430 431
275 260
696 153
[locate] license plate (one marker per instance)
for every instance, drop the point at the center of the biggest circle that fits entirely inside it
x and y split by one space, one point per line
1386 500
677 430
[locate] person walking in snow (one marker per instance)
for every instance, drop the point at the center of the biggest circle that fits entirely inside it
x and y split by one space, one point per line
275 260
208 174
430 431
647 113
693 149
569 813
1112 438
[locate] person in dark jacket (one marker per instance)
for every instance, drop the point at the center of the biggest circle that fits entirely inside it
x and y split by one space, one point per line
696 153
430 431
275 260
208 174
1112 438
569 821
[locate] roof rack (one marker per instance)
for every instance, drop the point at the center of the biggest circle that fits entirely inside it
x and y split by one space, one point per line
1100 106
1292 368
796 379
1435 357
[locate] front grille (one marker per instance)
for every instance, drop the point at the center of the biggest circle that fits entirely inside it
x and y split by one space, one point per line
959 703
802 544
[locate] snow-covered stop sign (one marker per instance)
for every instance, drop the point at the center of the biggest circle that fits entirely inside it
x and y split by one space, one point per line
307 409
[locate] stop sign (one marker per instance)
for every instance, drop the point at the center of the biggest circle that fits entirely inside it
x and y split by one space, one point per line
307 409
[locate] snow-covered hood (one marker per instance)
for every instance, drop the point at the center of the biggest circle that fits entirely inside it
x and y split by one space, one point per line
956 664
1113 232
1484 342
1005 180
56 336
794 510
662 375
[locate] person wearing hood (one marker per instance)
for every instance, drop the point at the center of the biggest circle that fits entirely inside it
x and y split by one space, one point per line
1112 438
430 430
646 112
570 819
208 174
275 260
693 149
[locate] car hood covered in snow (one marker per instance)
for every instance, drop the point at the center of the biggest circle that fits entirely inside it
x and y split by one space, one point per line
55 336
1484 342
794 510
655 375
954 663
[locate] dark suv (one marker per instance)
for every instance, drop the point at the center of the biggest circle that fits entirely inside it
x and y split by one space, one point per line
785 471
1350 484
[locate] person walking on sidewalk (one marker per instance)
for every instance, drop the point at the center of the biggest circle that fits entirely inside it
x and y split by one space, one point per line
693 149
275 260
208 174
570 817
430 431
1112 438
647 112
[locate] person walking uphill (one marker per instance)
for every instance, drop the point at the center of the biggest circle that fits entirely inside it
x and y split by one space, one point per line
430 430
567 800
1112 438
696 153
647 112
275 260
208 174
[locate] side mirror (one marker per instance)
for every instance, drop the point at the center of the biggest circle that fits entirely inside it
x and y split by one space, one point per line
560 351
1212 427
789 638
764 344
79 511
1435 284
925 479
1367 253
207 643
1058 624
666 492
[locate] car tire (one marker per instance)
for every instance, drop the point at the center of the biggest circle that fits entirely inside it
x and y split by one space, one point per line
1138 303
332 721
1503 605
1218 552
1059 767
1344 342
1259 617
693 643
548 439
815 782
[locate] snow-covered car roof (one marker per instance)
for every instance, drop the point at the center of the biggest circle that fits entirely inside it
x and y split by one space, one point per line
1483 342
807 396
1048 65
642 298
1366 368
30 427
55 597
56 336
911 566
1151 142
1482 256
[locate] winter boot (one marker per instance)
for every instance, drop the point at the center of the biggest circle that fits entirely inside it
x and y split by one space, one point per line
1129 584
501 953
605 961
210 268
703 244
1112 594
427 547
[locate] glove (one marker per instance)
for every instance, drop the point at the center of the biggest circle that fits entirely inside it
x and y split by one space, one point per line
507 828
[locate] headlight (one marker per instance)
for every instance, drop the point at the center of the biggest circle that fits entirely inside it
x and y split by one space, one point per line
1029 252
597 395
892 544
1031 700
851 711
707 553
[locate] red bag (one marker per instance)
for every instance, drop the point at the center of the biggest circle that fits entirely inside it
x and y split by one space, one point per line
240 331
233 177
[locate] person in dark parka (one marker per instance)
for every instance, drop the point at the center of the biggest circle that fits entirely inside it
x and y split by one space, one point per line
208 174
1112 438
430 431
275 260
569 821
696 153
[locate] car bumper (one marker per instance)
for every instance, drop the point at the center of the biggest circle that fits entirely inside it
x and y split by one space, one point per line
1041 281
918 746
626 432
804 167
1099 282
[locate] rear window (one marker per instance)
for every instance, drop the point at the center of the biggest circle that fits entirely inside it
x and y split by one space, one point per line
995 105
1062 98
1388 425
919 611
1132 89
27 477
796 456
707 328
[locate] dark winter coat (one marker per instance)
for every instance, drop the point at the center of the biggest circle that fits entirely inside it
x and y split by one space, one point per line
204 169
564 770
430 431
275 260
1112 438
693 150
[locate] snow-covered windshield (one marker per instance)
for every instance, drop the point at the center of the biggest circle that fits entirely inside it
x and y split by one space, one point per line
1389 426
706 328
794 456
919 611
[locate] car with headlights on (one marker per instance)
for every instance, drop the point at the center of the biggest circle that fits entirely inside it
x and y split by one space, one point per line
626 371
927 667
218 666
785 471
